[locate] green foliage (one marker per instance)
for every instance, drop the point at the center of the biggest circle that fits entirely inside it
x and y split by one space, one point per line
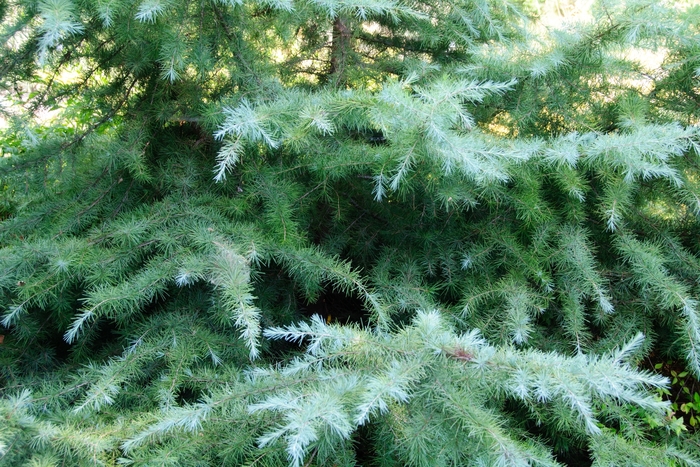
358 232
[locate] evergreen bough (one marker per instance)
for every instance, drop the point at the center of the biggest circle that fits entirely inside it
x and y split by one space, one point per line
347 232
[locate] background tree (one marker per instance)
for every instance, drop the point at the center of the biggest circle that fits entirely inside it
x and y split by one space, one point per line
481 230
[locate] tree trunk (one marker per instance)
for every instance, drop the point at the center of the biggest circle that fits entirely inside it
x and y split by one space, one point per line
340 50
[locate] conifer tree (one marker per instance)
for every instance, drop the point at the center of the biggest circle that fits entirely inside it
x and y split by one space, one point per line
348 232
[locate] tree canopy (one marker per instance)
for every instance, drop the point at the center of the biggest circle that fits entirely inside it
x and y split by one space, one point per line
349 232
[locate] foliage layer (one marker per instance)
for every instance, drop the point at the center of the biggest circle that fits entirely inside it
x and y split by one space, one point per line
477 228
